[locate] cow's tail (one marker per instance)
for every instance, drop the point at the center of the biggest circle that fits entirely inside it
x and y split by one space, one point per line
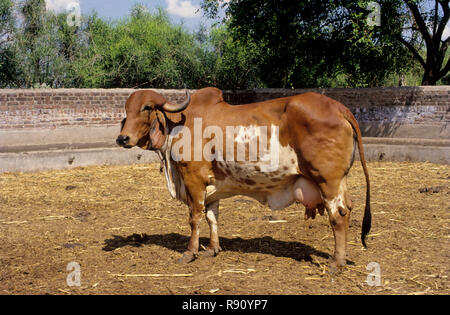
367 220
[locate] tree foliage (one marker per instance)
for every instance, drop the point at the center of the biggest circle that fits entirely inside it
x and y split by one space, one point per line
236 62
270 43
426 22
311 42
6 31
142 50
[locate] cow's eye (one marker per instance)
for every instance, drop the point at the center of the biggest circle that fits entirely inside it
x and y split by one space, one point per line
147 108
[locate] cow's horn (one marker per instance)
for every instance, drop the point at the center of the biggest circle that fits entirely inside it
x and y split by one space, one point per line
175 108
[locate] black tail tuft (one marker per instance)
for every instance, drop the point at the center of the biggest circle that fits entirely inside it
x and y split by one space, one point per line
367 221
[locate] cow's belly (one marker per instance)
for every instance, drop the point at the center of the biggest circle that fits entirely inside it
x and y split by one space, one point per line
278 189
277 196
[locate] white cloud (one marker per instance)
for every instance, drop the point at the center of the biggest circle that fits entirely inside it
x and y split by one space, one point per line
183 8
59 6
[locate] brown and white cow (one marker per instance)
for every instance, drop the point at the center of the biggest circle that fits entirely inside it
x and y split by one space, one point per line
315 136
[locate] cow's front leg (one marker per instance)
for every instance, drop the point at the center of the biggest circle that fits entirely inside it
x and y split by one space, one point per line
212 217
196 210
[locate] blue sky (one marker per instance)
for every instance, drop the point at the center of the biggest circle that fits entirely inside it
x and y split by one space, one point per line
180 11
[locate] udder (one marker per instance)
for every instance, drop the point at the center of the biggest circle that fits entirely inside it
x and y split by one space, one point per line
307 193
300 190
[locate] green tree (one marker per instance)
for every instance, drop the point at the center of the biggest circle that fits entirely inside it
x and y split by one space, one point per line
33 12
7 21
236 63
7 29
311 42
425 22
91 68
37 57
142 50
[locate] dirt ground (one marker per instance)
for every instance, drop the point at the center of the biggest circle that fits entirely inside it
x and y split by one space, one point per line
121 226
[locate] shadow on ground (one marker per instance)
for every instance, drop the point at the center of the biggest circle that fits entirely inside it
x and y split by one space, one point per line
262 245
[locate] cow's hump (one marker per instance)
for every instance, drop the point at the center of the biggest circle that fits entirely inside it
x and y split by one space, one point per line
208 96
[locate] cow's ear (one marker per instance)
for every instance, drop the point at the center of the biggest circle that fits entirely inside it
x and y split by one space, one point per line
158 131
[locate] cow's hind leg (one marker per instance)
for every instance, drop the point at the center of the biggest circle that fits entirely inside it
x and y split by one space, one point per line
337 204
212 217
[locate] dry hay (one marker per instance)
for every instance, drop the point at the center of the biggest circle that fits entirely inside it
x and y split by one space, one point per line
120 224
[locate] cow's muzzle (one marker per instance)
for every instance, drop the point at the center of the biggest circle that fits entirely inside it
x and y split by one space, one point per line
123 141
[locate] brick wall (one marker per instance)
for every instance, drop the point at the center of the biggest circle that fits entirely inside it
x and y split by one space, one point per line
77 107
66 107
414 105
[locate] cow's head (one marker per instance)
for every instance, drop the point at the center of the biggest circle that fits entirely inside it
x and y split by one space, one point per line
145 125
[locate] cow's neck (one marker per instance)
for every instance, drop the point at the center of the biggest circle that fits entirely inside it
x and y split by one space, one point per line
162 152
172 120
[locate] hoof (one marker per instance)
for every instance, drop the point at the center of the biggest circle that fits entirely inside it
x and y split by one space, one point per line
187 258
333 270
337 266
211 252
